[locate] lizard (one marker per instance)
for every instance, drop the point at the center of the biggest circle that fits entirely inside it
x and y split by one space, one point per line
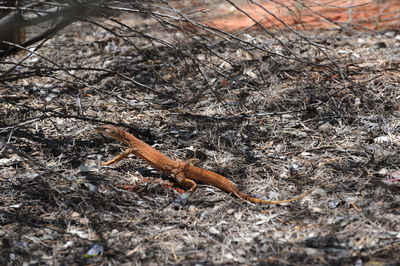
185 174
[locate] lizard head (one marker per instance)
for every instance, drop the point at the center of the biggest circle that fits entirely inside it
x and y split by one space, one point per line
114 132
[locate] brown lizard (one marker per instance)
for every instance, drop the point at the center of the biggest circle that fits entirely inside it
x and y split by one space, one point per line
184 173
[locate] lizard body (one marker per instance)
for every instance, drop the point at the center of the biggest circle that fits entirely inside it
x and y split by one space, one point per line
185 174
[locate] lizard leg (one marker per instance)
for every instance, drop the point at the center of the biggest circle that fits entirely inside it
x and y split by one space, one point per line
187 183
119 157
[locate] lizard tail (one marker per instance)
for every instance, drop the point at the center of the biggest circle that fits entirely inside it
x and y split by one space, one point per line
257 200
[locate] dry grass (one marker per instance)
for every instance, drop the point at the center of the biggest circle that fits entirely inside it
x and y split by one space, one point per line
275 127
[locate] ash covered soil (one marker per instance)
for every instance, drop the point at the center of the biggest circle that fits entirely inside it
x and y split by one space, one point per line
276 127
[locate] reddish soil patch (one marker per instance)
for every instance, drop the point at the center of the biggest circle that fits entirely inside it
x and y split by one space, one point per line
381 14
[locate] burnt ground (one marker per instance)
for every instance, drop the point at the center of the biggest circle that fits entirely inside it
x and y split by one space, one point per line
277 127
